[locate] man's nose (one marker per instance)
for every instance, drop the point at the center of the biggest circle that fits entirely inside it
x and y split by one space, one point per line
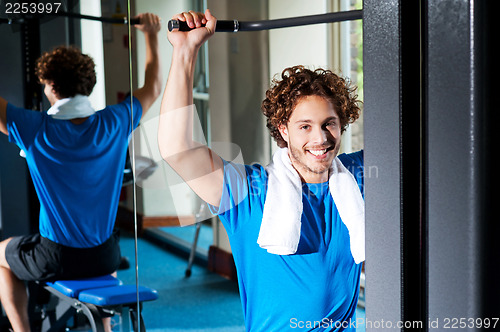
319 135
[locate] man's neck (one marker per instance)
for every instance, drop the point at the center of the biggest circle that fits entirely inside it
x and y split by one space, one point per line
308 176
79 121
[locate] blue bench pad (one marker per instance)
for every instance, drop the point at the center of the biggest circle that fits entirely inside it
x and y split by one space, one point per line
116 295
73 288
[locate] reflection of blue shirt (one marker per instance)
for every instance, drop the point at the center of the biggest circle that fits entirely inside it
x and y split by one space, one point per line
315 289
77 170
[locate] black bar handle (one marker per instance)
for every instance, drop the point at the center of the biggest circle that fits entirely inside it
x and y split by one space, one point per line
235 25
222 26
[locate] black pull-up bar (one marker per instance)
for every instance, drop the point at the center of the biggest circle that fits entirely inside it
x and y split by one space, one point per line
112 20
235 25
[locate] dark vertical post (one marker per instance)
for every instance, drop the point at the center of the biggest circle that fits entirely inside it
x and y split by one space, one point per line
14 187
395 143
432 231
30 40
461 230
30 34
487 103
413 171
381 54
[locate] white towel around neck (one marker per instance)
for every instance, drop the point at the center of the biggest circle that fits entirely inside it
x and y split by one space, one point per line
69 108
281 222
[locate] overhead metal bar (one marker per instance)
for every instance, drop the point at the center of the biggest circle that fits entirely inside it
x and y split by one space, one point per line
236 26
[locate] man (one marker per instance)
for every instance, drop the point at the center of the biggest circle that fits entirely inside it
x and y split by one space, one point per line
296 227
76 158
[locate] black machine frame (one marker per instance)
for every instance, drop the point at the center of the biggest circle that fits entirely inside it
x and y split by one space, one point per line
432 258
429 133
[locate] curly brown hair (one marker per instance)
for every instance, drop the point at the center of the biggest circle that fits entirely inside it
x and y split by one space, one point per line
69 70
298 82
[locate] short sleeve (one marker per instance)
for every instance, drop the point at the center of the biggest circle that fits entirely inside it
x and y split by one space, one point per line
137 111
124 110
243 191
22 125
354 162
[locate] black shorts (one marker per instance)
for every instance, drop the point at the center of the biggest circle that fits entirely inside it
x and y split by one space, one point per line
34 257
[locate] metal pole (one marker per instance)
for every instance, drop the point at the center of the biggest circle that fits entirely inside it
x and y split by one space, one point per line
235 25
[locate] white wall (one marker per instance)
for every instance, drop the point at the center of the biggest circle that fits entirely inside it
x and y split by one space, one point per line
154 194
304 45
239 75
92 45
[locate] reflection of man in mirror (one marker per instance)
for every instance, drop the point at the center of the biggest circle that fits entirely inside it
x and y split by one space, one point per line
76 158
296 227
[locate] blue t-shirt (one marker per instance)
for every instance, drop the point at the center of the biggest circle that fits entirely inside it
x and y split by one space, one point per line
314 289
77 170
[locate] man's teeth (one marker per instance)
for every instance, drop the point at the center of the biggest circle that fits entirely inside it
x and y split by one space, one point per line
318 152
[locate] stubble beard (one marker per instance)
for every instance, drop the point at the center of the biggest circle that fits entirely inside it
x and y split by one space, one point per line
299 160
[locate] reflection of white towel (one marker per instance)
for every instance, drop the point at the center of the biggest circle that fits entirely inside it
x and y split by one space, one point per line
281 221
69 108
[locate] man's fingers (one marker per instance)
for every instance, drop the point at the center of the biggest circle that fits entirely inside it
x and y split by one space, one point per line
197 18
211 21
208 15
179 17
148 22
189 19
192 19
154 19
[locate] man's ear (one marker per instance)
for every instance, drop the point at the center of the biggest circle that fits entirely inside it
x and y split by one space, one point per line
284 132
54 90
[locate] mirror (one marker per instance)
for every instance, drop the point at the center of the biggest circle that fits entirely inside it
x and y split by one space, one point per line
232 74
27 30
235 70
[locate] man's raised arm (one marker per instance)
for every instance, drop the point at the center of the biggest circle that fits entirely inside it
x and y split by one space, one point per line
150 91
199 167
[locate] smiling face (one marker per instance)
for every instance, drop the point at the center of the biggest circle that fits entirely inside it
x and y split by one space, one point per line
312 134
